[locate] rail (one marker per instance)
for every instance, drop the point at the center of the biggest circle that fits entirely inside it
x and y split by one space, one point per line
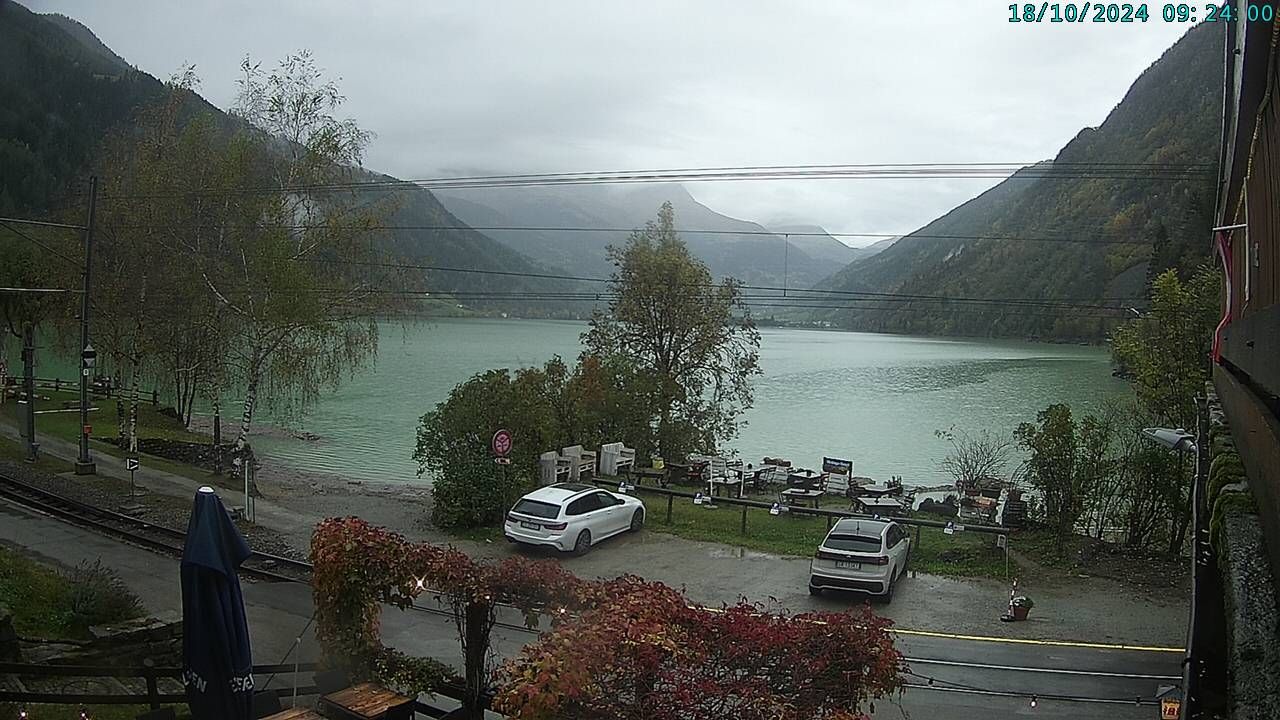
152 675
828 513
58 385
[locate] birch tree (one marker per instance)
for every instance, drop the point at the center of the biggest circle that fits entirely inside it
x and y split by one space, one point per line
288 260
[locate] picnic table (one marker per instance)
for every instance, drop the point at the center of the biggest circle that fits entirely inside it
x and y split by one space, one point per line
800 494
369 701
296 714
658 475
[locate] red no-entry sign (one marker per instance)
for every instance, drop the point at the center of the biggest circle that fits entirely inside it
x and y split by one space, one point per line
501 443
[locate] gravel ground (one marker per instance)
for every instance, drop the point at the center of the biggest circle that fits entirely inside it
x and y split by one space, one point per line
1067 607
110 493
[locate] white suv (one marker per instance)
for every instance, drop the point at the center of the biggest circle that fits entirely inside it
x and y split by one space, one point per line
572 516
864 555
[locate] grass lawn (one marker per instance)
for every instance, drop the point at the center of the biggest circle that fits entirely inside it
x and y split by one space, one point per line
12 450
960 555
66 426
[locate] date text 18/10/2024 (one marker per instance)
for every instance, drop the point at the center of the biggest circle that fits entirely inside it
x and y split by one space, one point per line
1130 13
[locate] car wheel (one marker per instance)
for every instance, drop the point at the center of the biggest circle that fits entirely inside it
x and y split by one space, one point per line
637 521
583 543
814 590
888 594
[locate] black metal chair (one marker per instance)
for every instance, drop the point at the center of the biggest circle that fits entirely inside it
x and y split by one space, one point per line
265 704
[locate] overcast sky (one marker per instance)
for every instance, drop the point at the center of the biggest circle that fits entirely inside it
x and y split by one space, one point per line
477 86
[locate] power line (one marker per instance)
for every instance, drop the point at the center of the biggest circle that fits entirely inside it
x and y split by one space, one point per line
864 294
50 291
5 222
1152 171
1119 240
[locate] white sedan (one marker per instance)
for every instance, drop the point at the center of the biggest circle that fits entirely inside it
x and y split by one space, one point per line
572 517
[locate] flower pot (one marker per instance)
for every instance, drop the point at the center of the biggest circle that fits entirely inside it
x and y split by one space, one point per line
1020 613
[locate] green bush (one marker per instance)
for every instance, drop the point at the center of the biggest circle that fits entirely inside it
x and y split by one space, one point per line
99 596
473 491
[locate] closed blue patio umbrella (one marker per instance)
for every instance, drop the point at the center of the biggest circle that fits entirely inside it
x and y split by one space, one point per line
217 667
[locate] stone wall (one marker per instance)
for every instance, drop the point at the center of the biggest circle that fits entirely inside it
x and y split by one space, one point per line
1253 617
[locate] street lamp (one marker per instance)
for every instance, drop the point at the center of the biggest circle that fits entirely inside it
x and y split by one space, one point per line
88 359
1178 439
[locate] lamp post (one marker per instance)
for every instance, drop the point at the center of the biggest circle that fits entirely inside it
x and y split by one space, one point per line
84 463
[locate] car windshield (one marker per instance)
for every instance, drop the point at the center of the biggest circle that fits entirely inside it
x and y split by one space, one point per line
852 543
536 509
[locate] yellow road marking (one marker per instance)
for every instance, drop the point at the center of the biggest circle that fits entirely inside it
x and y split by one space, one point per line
1026 641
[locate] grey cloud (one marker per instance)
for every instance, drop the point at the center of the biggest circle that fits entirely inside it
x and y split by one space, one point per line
519 86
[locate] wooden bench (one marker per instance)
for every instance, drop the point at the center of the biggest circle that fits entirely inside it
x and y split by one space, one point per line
367 701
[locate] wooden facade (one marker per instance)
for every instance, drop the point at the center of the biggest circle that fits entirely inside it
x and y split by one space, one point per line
1247 348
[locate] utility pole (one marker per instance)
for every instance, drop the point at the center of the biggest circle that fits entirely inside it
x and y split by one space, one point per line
84 463
29 389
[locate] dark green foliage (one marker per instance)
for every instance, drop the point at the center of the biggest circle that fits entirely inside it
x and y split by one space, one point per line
545 408
57 99
62 92
1171 115
1067 463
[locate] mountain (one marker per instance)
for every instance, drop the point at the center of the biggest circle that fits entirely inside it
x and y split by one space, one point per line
1170 116
62 90
817 243
731 247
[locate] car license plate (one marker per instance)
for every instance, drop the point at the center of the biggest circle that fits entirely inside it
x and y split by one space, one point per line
848 565
531 526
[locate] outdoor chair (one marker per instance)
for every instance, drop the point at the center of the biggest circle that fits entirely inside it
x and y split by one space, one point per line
616 458
580 461
552 468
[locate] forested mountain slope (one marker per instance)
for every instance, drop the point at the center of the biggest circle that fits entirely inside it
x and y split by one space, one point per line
62 91
1170 116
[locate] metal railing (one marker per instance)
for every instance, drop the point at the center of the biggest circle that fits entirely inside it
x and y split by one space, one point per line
831 515
153 698
152 675
58 385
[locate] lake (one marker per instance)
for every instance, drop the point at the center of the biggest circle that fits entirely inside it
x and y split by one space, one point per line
876 399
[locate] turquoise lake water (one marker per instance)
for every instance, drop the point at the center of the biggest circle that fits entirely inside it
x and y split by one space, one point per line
876 399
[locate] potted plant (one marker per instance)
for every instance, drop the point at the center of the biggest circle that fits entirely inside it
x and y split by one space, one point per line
1020 606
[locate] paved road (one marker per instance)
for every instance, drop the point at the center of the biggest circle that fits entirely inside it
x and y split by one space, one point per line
278 613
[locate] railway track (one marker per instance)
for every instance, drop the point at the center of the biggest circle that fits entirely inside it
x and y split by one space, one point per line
167 540
153 536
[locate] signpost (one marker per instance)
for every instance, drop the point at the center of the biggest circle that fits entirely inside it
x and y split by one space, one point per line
131 464
501 445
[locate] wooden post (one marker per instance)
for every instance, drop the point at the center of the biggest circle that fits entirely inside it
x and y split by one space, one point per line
744 519
153 690
670 500
475 648
828 523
